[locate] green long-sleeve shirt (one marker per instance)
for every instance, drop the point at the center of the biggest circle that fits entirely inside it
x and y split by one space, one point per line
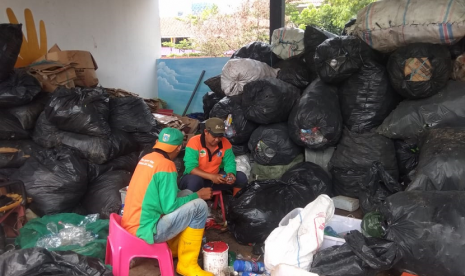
198 156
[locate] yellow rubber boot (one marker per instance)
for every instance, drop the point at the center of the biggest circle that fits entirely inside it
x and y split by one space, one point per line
190 242
173 245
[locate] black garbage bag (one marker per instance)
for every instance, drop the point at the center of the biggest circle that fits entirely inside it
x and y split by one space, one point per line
269 100
353 158
407 153
412 117
214 83
359 256
240 129
5 174
55 179
27 114
240 149
311 175
294 71
13 154
428 229
312 38
378 185
419 70
145 138
103 196
349 23
11 128
260 51
46 134
315 121
11 38
271 145
209 100
258 208
19 89
126 162
367 98
338 58
225 106
100 150
131 114
80 110
457 49
440 166
41 262
179 162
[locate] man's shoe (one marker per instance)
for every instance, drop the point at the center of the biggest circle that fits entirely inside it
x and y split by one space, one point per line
190 242
173 245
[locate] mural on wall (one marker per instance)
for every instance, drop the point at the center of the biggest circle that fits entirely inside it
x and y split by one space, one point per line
177 79
32 48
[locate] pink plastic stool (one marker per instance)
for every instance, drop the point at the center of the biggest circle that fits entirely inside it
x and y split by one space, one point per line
219 194
122 247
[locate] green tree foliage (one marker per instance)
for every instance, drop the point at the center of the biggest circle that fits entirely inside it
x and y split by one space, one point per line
331 16
215 32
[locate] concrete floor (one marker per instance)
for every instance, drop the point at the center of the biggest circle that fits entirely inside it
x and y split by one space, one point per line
143 267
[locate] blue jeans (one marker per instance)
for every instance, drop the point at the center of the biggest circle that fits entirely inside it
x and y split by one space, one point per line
194 182
192 214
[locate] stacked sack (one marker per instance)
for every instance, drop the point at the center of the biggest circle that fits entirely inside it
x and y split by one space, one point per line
21 102
74 149
108 134
341 103
425 47
262 92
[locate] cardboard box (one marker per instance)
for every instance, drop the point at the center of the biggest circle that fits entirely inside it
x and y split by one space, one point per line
191 125
82 61
52 74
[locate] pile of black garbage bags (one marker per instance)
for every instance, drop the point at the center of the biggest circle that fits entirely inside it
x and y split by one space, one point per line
387 129
74 149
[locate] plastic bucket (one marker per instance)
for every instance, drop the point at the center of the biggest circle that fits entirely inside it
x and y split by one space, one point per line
215 257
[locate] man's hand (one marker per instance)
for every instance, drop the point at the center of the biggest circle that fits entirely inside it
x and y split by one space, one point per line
230 179
205 193
218 179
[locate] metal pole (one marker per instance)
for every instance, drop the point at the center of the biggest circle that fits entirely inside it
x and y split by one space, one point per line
277 8
193 92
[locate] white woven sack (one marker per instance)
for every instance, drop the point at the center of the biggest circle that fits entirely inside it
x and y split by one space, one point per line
294 243
238 72
287 42
389 24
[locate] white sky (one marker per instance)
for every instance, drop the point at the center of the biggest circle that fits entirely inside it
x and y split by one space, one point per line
171 8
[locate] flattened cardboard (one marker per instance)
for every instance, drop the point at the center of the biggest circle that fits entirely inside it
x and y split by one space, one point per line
82 61
53 74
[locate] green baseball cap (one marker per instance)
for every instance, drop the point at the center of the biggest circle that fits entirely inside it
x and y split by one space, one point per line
169 139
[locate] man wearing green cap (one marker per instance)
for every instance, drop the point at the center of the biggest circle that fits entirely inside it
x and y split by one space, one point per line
210 162
157 211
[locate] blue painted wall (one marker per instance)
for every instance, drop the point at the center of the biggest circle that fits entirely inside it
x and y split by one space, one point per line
177 79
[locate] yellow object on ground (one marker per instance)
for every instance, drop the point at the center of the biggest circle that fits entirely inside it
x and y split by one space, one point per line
173 245
190 241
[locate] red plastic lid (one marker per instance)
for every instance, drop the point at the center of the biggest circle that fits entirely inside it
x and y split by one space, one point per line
215 246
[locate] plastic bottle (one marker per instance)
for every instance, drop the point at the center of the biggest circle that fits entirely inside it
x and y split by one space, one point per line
122 210
229 131
246 266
